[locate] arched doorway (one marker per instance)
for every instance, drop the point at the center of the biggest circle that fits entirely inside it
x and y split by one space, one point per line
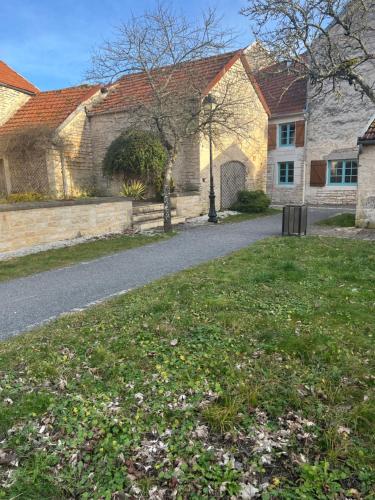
233 180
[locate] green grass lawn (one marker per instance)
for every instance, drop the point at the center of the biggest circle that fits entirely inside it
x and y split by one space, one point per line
245 216
62 257
252 371
341 220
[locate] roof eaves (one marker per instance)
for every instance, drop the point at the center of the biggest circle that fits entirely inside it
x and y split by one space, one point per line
19 89
364 141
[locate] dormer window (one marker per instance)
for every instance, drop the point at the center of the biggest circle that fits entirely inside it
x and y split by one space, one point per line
287 132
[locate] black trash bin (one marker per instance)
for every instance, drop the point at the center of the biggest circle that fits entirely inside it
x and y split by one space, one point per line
294 220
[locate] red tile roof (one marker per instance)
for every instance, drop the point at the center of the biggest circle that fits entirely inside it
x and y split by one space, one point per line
202 75
12 79
283 94
369 135
48 109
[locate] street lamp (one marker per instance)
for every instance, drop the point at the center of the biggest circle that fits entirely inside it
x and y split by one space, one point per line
208 103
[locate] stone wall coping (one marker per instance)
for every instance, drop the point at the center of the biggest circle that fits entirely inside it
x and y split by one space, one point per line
186 193
13 207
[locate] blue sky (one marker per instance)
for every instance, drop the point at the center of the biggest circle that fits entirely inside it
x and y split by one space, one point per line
50 41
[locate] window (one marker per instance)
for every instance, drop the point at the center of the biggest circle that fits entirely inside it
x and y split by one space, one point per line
342 172
287 132
286 172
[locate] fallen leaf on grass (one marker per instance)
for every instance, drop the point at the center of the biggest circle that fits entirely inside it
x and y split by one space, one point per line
8 458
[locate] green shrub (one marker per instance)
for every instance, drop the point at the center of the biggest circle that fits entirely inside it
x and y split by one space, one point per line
134 189
341 220
137 154
25 197
251 201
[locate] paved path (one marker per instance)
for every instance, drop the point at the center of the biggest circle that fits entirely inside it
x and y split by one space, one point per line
28 302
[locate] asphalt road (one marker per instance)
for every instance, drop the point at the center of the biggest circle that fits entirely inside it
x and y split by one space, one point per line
26 303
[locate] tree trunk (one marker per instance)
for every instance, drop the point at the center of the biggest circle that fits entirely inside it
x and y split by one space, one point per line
167 193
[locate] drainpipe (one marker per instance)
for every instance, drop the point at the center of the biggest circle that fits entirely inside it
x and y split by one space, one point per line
305 115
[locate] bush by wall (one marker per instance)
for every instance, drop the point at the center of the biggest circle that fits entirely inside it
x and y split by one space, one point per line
251 201
137 154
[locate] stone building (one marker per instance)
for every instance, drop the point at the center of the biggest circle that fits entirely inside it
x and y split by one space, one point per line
286 98
365 214
238 163
55 141
312 141
45 143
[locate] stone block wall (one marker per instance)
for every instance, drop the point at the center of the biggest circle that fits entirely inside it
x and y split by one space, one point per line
70 165
30 225
365 213
248 146
335 121
10 101
187 205
107 127
284 194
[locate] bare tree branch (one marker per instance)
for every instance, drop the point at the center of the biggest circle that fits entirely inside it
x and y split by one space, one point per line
328 41
160 50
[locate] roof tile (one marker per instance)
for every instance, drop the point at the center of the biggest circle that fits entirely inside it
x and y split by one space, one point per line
133 88
48 109
283 93
369 135
10 78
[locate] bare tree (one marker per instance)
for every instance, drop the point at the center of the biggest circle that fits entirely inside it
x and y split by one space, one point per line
159 50
328 41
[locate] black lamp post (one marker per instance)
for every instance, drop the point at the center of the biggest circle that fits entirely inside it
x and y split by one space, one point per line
209 102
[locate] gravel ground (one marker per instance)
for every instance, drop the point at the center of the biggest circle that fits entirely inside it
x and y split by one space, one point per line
29 302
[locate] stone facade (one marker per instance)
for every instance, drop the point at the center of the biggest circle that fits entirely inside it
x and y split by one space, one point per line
70 166
10 101
23 227
104 128
286 193
365 213
334 124
248 147
190 174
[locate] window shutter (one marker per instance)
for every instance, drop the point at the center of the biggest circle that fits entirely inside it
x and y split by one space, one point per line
318 173
271 136
300 133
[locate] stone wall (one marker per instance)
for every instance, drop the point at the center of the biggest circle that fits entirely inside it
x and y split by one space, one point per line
365 213
29 225
10 101
70 165
107 127
335 121
187 205
248 146
284 194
